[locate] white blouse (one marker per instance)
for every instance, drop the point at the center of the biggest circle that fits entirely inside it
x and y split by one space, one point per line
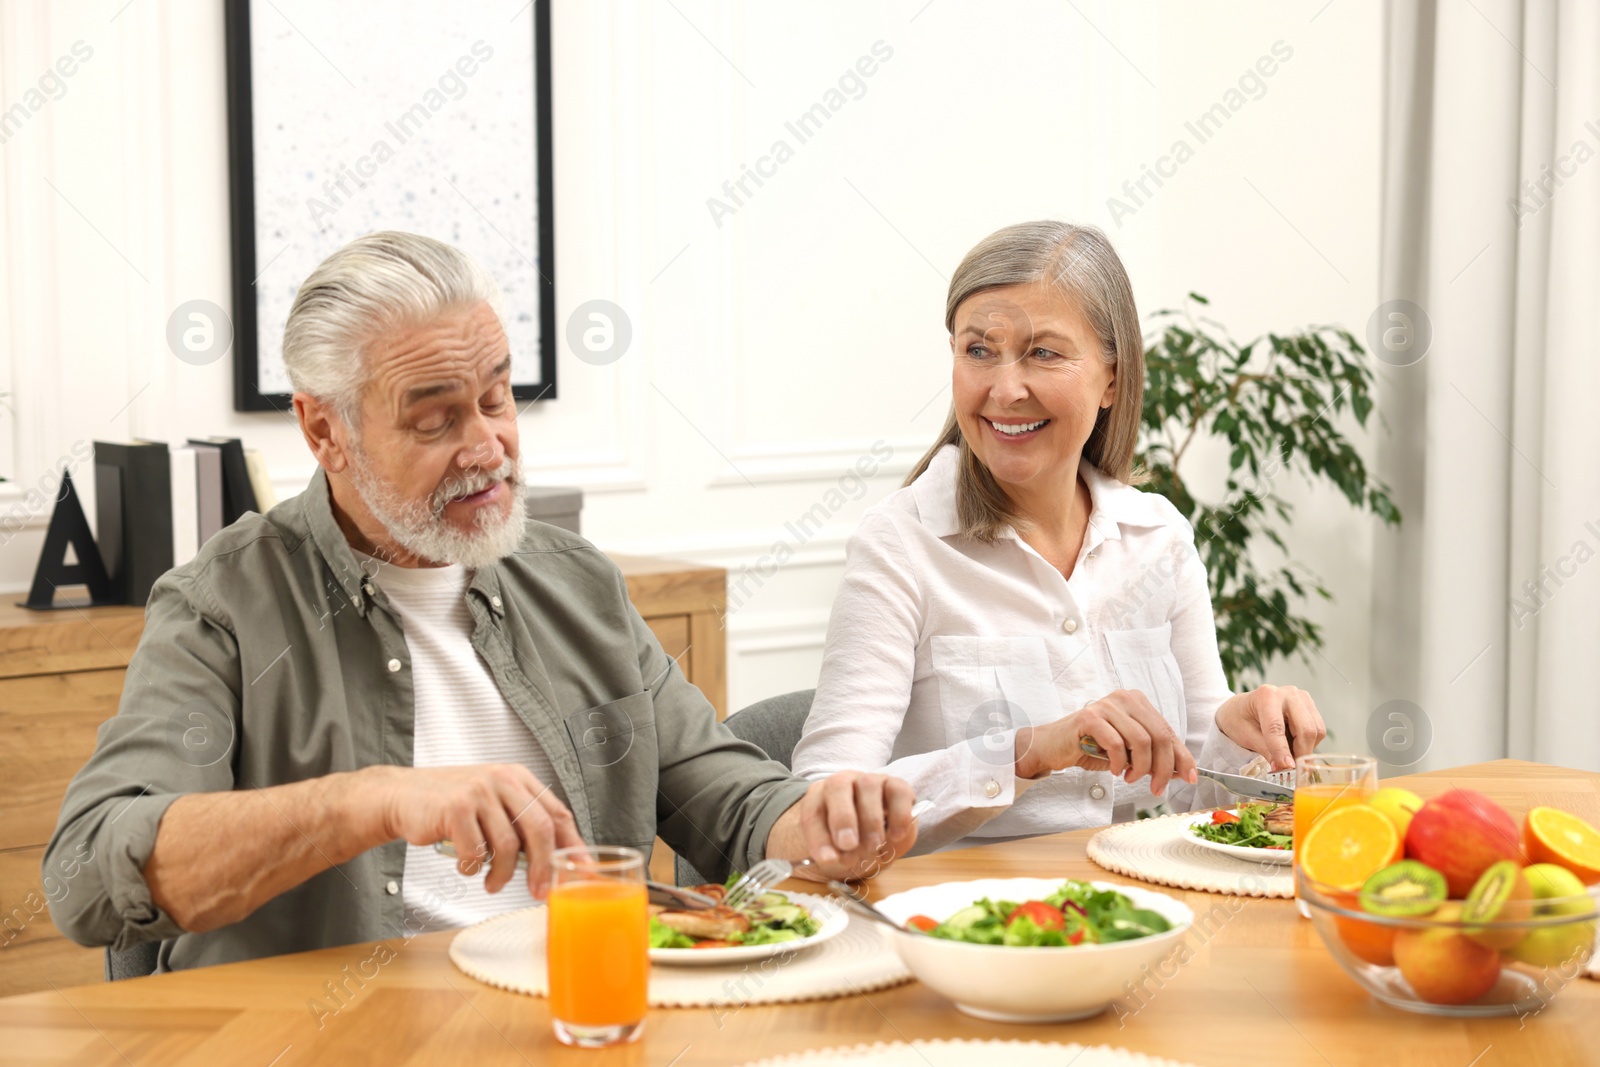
939 647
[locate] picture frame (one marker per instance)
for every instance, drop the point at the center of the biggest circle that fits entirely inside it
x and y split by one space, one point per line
317 92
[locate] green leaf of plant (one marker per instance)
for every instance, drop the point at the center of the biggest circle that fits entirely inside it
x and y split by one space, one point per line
1273 400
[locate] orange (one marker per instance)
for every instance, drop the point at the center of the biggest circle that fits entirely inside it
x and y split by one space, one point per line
1367 941
1346 846
1550 835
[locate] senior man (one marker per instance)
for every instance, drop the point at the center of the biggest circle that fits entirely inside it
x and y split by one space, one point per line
398 656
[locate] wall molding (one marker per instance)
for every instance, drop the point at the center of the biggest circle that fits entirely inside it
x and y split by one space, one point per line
819 460
776 631
740 548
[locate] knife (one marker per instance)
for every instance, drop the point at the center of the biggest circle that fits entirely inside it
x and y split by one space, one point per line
1278 788
1257 788
670 896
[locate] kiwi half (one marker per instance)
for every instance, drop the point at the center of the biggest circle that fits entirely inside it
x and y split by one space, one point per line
1501 894
1406 889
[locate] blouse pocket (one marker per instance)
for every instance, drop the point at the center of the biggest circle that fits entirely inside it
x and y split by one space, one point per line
1144 661
989 685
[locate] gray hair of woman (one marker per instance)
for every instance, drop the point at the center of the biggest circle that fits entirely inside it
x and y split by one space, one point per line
1081 264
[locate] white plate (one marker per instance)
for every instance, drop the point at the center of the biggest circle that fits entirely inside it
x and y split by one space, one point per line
1243 852
832 914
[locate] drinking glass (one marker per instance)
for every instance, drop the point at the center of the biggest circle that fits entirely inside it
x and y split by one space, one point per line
1324 783
597 950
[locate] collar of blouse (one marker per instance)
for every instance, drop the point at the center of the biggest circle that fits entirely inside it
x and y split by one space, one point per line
1113 503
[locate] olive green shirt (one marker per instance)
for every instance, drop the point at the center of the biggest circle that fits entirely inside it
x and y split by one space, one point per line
272 658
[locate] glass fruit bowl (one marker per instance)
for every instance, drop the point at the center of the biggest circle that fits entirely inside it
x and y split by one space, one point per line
1443 963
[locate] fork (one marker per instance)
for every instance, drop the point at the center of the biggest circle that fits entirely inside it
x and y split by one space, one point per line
770 872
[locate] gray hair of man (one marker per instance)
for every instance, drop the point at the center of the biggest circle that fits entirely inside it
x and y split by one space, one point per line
373 285
1081 264
376 284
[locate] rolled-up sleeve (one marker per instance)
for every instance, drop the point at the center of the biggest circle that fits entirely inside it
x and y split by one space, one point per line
1205 686
175 732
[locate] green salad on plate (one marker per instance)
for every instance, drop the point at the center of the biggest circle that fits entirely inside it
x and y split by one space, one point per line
769 919
1253 826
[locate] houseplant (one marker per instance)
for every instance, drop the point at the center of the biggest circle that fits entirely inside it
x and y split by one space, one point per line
1274 400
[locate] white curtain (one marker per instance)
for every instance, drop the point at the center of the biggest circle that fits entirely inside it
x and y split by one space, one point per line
1487 600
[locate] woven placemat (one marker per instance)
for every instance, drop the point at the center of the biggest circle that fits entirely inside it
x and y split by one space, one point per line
508 952
1162 850
964 1053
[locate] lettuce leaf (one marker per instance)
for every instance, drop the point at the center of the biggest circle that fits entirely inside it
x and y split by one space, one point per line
1249 832
767 935
664 936
1025 933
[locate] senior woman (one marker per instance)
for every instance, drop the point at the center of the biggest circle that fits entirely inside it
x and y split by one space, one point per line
1018 593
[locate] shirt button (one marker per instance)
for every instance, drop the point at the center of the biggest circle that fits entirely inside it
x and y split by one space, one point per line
392 888
1097 791
495 601
356 600
991 789
1070 626
394 665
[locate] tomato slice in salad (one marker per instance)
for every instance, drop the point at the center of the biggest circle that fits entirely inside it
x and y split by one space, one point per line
1043 915
921 922
1219 817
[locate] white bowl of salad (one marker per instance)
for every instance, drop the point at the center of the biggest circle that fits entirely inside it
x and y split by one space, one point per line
1033 950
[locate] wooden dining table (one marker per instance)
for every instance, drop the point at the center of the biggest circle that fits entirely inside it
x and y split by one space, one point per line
1261 989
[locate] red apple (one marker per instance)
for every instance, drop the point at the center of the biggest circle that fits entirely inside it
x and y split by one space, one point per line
1443 965
1461 834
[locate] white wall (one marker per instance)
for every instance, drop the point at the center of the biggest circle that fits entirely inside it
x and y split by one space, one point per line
771 350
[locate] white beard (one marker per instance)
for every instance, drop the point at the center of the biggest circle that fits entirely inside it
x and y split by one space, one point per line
421 528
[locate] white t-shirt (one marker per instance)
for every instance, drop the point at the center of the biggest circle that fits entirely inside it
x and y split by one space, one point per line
939 647
461 718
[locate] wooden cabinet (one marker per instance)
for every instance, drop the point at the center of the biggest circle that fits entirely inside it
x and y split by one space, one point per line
685 605
61 675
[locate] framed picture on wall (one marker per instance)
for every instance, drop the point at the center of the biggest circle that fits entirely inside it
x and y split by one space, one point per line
363 115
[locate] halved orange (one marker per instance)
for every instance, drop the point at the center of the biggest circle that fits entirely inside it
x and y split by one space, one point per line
1550 835
1348 845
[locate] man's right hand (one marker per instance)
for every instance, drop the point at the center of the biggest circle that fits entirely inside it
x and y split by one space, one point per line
490 811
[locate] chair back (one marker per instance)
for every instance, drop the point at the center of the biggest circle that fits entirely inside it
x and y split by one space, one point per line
134 962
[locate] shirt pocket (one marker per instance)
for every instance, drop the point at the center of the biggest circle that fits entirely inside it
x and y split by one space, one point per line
989 685
1144 661
616 748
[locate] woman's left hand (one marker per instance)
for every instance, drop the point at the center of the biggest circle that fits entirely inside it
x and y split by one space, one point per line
1278 721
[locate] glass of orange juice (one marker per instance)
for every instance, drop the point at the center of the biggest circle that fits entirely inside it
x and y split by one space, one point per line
597 949
1323 783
